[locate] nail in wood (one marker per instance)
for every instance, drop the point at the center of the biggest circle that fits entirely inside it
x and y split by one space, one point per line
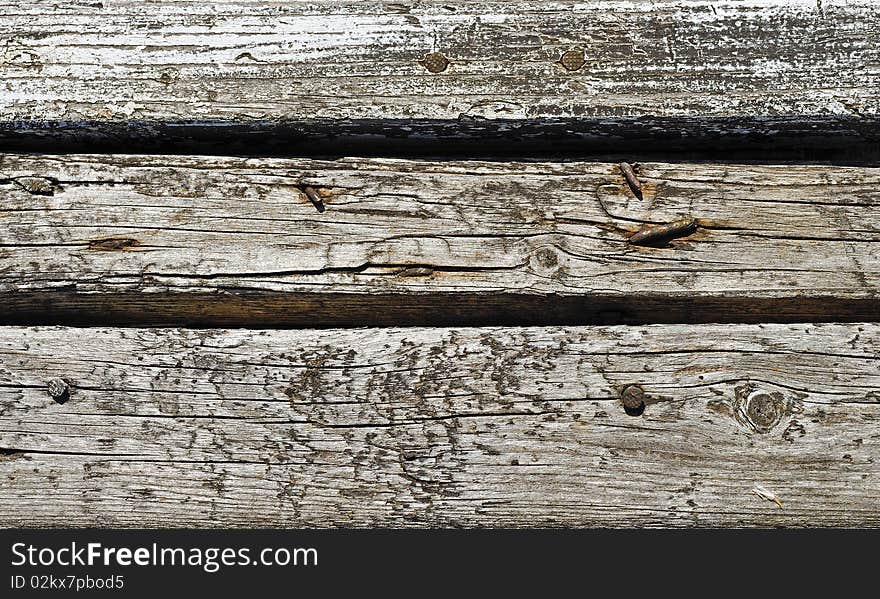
631 179
59 390
651 234
314 198
633 398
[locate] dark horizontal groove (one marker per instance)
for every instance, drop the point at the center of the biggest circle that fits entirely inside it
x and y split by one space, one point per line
303 310
794 138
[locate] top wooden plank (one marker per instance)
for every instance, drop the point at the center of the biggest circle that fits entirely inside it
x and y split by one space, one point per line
703 68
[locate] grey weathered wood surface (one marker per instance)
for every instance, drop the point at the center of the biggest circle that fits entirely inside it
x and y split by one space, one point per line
441 427
488 426
686 68
212 240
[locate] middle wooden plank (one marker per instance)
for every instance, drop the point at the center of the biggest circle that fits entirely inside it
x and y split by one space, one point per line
234 241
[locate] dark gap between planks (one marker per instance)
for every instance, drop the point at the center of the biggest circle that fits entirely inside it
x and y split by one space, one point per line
840 140
332 310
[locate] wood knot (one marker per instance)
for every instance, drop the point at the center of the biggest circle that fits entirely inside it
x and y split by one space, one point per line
59 390
435 62
168 76
760 410
633 399
547 258
572 60
110 244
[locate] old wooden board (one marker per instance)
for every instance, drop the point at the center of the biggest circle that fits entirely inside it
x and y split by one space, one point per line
230 241
612 71
441 427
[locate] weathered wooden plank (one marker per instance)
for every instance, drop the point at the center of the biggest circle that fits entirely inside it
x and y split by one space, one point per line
666 69
441 427
234 241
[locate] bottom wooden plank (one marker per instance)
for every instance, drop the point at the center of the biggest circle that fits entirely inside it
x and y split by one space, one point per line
441 427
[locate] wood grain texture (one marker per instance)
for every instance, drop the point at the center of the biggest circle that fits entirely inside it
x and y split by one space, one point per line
441 427
233 241
665 69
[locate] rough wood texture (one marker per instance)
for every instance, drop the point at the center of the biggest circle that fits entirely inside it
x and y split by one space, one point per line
687 69
441 427
96 239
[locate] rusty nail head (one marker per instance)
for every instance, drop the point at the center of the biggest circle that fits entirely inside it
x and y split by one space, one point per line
435 62
633 398
572 60
59 390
